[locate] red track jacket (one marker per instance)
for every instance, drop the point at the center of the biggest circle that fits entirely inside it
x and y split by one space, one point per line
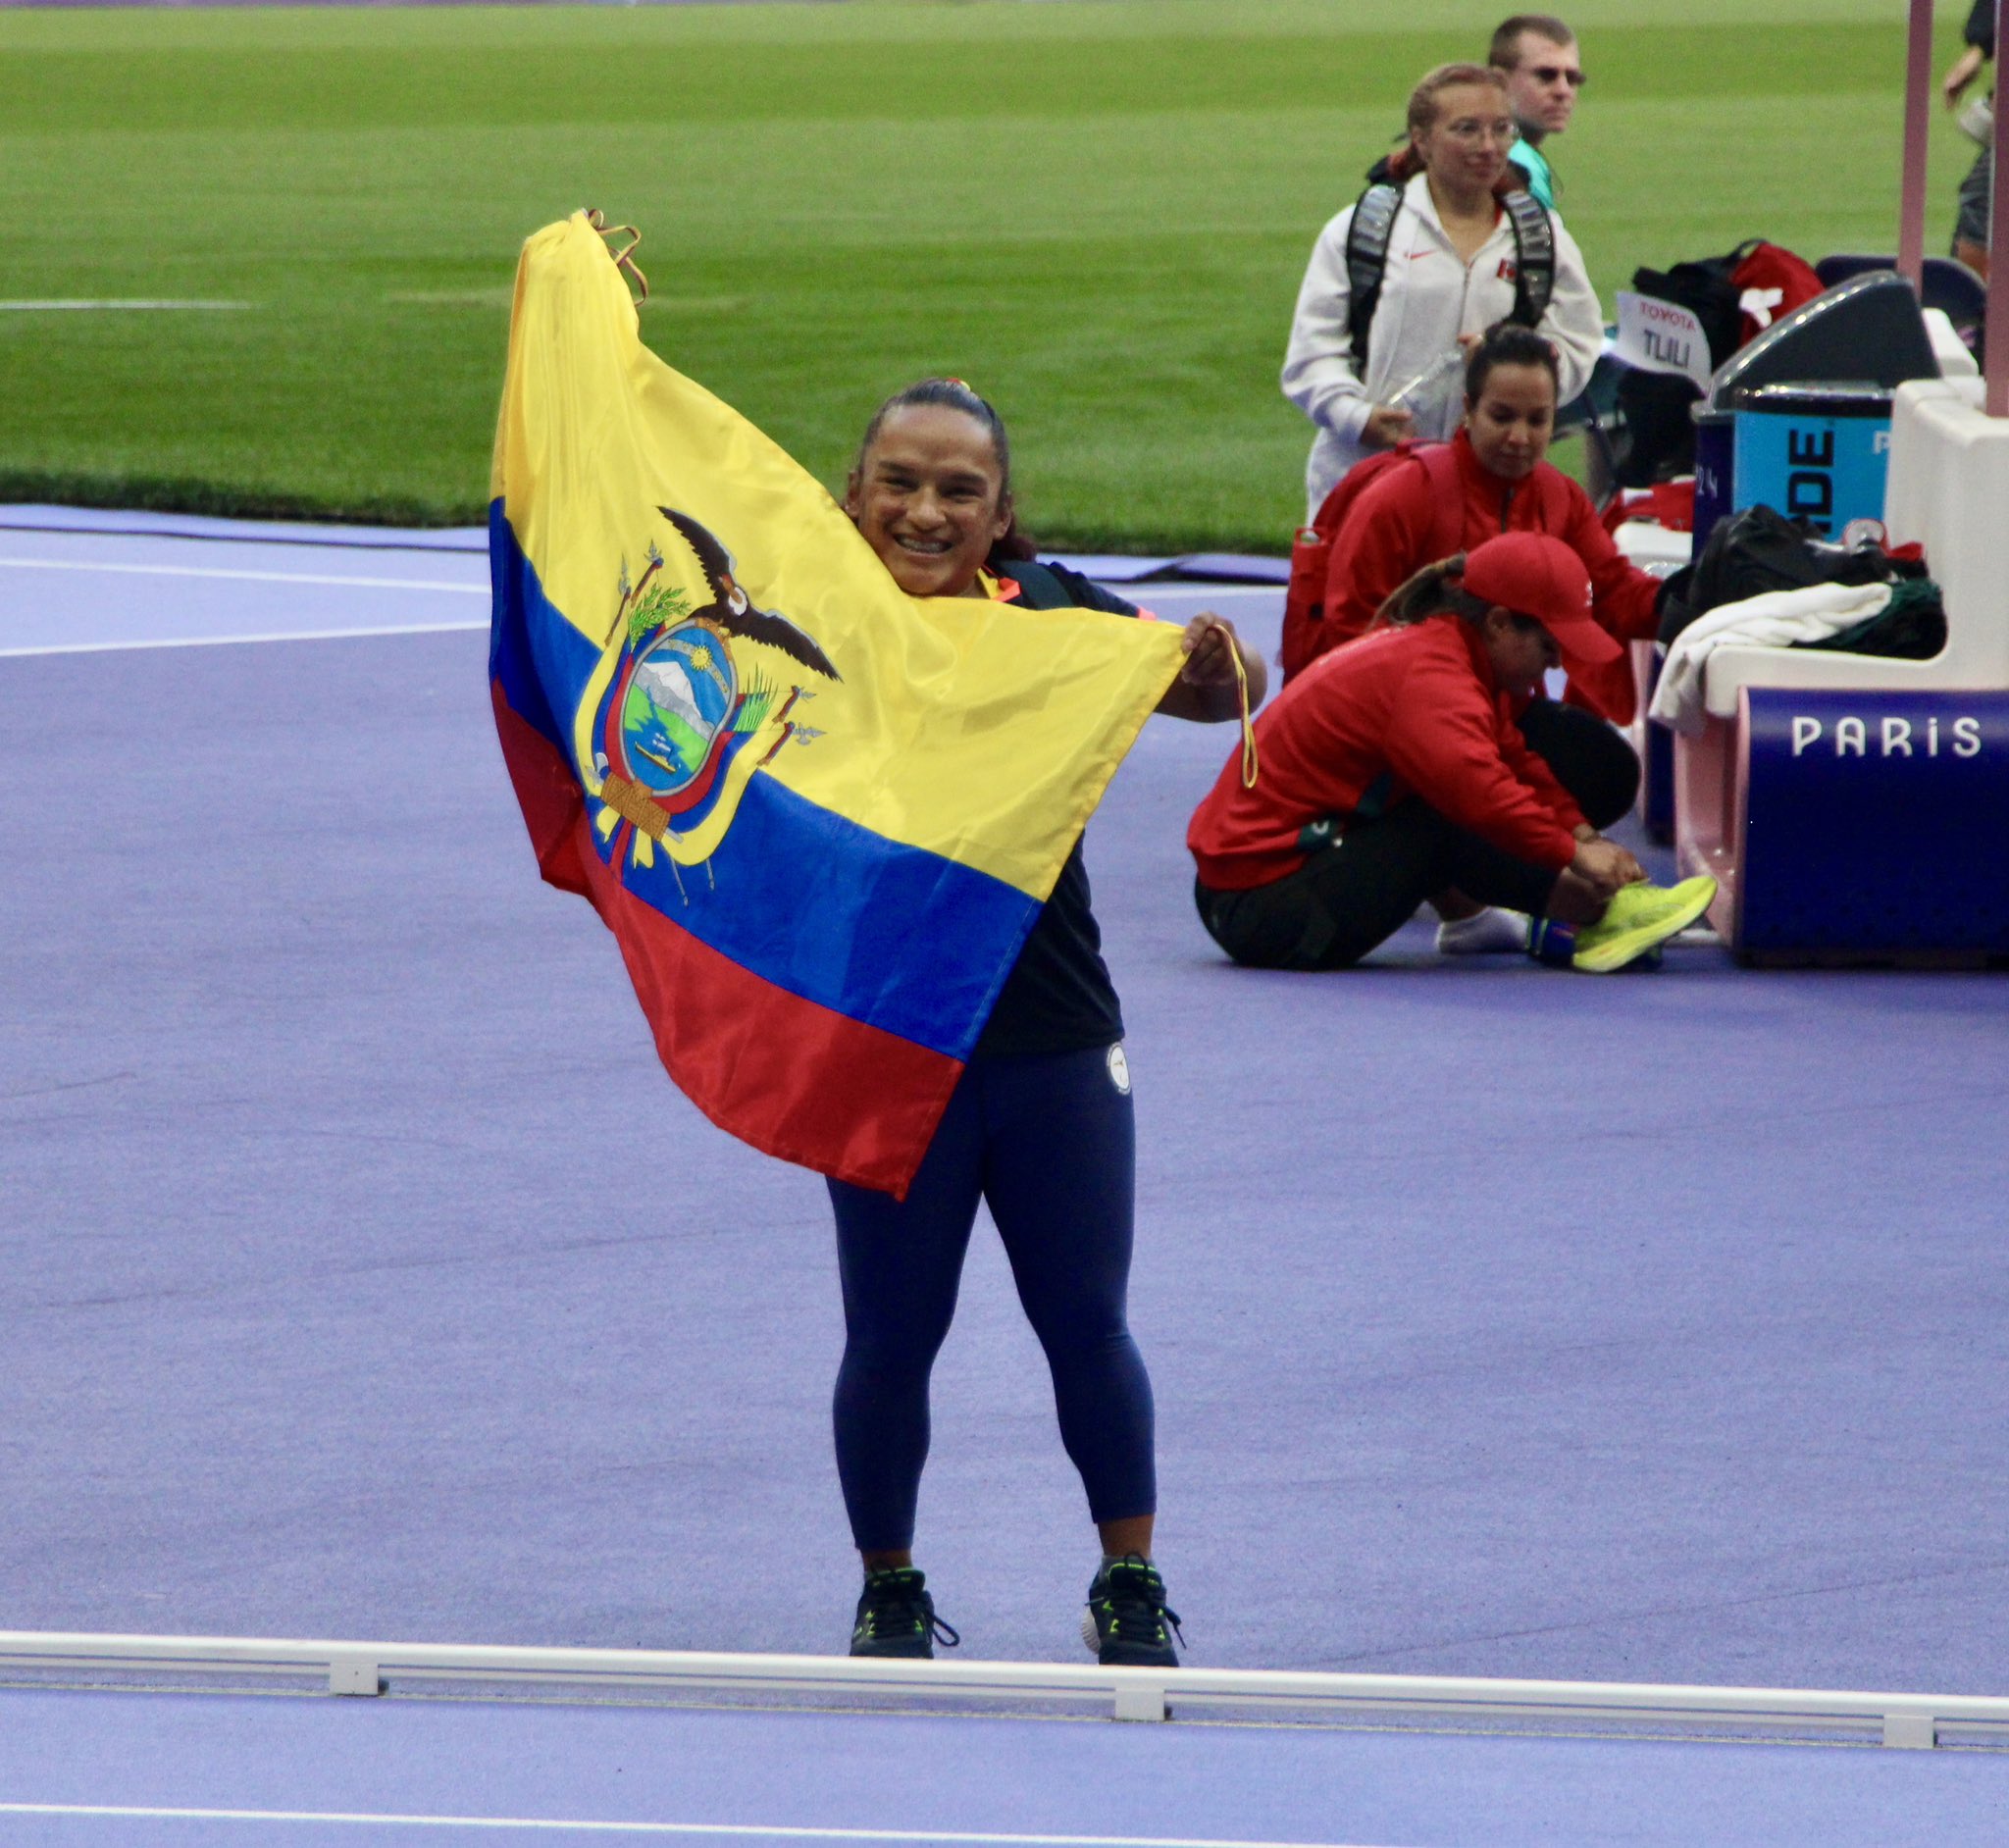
1385 540
1418 705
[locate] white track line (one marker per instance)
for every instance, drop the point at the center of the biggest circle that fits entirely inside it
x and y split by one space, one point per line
1148 592
248 577
736 1830
217 642
110 306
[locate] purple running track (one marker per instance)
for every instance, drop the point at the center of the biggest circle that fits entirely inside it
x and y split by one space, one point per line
396 1771
365 1276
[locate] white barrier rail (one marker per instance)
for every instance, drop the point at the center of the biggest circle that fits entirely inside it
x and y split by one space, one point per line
366 1669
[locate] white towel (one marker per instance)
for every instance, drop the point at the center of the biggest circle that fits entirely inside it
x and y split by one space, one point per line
1775 620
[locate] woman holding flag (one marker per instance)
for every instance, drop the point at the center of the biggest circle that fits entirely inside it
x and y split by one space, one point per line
862 944
1040 1126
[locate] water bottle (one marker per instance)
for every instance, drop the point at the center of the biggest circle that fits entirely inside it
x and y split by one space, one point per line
1434 397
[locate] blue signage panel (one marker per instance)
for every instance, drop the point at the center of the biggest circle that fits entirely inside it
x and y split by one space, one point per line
1715 470
1877 821
1823 470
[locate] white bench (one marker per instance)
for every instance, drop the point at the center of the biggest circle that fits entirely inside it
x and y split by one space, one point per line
1949 490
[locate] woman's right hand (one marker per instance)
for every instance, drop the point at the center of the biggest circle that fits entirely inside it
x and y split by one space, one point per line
1960 74
1606 866
1386 426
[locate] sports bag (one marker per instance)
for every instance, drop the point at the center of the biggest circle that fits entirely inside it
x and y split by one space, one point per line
1759 549
1366 259
1736 297
1304 603
1771 283
1705 287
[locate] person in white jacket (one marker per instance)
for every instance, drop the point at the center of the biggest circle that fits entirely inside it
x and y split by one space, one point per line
1449 275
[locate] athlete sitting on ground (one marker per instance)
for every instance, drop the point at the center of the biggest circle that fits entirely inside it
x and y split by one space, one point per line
1391 771
1040 1126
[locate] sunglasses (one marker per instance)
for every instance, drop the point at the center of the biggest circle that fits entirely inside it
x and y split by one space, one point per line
1549 72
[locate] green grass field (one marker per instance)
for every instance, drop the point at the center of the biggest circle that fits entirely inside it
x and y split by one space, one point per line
1097 213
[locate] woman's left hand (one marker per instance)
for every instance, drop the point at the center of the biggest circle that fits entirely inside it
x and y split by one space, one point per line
1206 688
1210 643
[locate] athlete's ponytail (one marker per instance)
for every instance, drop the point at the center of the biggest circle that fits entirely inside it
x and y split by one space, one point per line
1439 589
1431 591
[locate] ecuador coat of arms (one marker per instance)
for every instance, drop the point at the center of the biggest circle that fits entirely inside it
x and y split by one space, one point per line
674 722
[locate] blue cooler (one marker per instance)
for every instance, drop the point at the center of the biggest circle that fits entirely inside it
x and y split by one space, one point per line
1817 453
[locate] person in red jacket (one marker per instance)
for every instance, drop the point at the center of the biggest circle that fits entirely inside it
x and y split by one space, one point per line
1509 486
1393 770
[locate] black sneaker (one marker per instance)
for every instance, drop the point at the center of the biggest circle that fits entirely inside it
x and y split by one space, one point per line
897 1616
1127 1616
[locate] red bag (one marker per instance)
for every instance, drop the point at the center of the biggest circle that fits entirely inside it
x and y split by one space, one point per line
1771 283
1304 603
1670 505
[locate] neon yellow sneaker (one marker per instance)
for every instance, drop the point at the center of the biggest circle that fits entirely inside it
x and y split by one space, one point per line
1637 918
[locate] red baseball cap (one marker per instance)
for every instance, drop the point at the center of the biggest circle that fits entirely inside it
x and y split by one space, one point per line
1534 575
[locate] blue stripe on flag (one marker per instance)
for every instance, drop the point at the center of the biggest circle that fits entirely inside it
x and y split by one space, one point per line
891 935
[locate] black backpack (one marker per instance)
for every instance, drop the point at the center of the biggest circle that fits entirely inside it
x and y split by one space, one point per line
1660 433
1707 290
1366 259
1758 549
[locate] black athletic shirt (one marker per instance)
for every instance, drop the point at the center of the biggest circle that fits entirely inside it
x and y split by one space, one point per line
1058 997
1981 26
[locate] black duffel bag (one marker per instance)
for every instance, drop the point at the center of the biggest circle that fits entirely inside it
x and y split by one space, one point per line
1757 549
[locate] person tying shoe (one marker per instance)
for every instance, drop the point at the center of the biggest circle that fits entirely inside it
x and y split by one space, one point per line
1392 771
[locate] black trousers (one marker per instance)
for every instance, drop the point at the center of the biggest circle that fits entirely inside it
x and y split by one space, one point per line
1592 760
1357 891
1050 1143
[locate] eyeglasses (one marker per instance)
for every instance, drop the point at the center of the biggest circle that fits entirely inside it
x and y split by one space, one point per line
1551 72
1469 133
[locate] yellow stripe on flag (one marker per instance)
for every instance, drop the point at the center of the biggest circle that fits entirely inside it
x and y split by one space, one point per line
966 728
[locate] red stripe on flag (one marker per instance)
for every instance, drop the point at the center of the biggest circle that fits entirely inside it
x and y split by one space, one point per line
793 1078
546 790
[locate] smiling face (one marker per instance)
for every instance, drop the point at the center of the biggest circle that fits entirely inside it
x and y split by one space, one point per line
929 497
1520 649
1465 144
1512 422
1544 82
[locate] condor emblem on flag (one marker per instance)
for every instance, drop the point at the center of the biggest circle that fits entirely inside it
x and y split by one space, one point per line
670 726
818 815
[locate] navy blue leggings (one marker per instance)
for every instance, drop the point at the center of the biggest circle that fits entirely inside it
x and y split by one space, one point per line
1050 1144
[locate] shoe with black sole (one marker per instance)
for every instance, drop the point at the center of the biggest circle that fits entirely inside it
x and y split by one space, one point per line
897 1616
1128 1623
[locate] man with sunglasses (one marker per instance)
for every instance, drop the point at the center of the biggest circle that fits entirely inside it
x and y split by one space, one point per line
1536 53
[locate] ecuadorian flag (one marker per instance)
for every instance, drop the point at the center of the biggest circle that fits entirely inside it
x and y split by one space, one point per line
819 816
